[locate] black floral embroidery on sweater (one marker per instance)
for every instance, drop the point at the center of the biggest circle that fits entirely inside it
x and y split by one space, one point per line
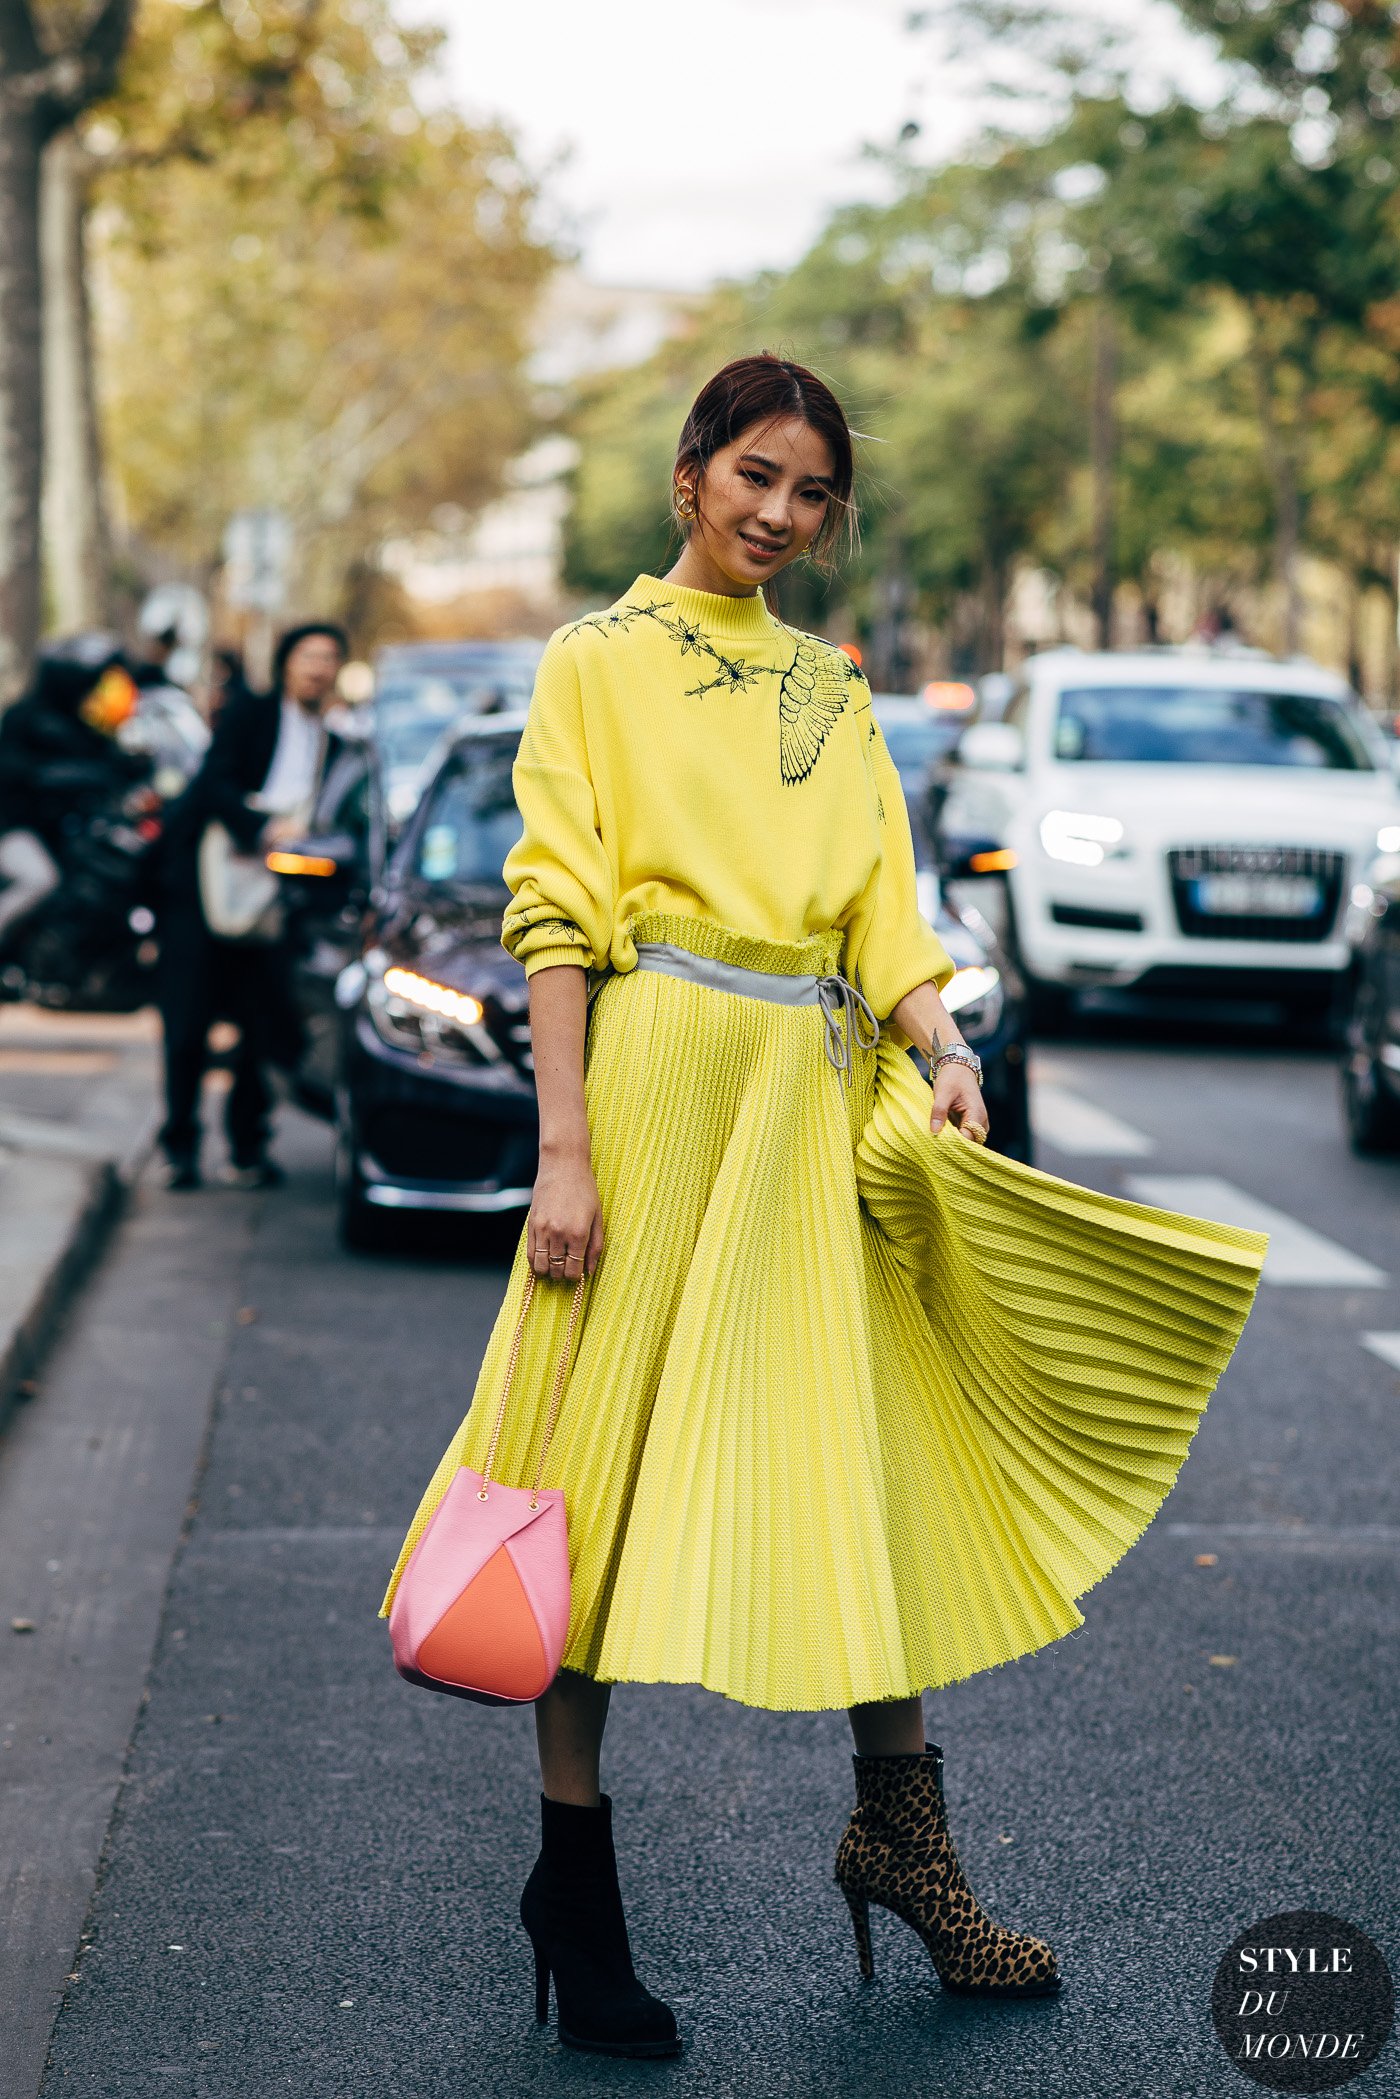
544 918
609 622
812 695
730 675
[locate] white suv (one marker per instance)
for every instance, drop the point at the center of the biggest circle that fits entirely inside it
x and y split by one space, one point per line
1173 821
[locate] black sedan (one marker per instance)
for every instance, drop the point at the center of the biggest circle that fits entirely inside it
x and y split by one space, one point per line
435 1105
1371 1025
435 1099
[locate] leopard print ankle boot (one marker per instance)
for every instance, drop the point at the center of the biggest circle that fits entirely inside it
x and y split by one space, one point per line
896 1850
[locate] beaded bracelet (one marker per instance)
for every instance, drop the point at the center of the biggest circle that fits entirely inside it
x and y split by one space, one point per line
956 1053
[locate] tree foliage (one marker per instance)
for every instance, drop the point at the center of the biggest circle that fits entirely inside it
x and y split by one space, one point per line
1241 259
315 296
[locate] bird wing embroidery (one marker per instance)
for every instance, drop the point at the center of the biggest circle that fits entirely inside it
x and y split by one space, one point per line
811 698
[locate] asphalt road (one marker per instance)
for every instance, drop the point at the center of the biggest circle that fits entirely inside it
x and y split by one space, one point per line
309 1882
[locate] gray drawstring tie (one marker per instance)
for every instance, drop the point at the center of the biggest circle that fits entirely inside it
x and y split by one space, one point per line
832 993
836 996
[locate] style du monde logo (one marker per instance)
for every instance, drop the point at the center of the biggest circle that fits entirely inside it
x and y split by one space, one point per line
1303 2001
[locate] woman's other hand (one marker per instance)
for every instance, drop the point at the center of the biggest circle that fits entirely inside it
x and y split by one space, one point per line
957 1098
566 1218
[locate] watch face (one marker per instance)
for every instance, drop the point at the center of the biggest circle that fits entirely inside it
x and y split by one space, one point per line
958 1053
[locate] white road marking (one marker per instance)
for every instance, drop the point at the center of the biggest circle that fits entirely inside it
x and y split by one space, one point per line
1292 1533
1081 1129
1386 1346
1297 1255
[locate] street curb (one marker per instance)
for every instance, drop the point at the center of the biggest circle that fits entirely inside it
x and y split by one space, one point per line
101 1187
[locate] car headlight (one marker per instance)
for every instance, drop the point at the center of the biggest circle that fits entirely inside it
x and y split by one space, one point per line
1083 840
975 994
1388 839
414 1012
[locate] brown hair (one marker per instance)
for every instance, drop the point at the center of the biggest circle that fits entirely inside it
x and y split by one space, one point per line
765 389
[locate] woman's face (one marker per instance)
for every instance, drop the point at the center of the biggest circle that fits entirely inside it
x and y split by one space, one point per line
762 499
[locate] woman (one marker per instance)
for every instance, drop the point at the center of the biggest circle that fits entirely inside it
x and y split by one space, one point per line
856 1408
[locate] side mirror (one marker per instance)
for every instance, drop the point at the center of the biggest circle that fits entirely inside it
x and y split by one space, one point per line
991 747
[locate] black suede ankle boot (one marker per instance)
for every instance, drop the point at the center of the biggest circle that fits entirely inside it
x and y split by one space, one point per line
572 1909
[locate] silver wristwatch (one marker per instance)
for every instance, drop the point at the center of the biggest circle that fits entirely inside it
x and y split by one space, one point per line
956 1053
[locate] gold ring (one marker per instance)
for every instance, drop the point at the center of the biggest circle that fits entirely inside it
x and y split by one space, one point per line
975 1131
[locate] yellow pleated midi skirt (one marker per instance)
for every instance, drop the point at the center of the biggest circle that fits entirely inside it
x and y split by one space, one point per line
854 1411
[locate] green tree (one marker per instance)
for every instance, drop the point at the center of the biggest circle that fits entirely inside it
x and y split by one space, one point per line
332 312
1135 345
194 76
1284 197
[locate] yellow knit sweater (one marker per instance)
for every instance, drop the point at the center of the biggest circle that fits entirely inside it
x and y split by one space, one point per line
689 754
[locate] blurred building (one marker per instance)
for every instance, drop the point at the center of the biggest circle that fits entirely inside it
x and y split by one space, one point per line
499 573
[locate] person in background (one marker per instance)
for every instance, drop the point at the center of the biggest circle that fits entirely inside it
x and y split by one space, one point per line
59 760
150 664
259 781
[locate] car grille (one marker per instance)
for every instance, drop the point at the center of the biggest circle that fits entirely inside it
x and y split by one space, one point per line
409 1144
1100 921
1187 864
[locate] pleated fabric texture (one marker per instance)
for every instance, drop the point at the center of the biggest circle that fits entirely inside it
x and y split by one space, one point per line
854 1411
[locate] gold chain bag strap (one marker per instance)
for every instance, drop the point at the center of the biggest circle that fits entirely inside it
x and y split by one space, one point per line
482 1608
555 1397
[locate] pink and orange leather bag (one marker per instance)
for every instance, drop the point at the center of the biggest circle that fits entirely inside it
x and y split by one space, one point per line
482 1607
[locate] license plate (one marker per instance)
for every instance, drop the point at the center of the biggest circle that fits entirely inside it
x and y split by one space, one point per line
1259 896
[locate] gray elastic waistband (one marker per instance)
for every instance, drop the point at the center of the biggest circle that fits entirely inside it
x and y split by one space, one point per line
835 996
726 976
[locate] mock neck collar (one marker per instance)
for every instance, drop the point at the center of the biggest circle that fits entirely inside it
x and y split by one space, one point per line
729 619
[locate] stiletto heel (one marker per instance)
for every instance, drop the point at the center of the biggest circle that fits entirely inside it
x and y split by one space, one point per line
897 1851
859 1907
571 1908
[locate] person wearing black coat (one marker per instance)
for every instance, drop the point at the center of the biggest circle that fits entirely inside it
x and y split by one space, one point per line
60 764
258 780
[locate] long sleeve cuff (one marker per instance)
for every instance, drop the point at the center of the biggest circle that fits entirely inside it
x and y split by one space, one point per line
922 960
540 935
552 957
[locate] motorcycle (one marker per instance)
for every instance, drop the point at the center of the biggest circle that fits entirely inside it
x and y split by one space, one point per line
88 946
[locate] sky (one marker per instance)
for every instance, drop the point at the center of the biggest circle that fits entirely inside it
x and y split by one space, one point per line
709 140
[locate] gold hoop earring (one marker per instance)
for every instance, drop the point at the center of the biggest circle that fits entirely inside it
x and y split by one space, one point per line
685 502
